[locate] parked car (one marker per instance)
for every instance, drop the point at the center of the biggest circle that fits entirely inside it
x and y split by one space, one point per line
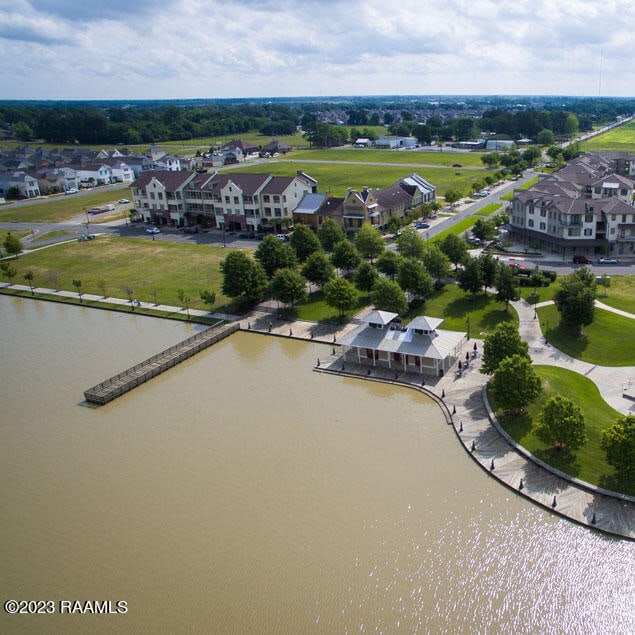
123 201
191 229
422 225
71 190
153 230
581 260
282 237
473 240
608 261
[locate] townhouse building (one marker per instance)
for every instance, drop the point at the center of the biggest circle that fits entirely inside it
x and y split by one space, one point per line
586 209
24 183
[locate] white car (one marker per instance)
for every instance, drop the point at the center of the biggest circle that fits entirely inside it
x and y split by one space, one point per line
608 261
72 190
123 201
153 230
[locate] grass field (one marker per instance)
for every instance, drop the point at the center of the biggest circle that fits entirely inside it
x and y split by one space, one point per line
60 208
489 209
608 341
337 178
620 295
588 463
622 138
108 266
315 309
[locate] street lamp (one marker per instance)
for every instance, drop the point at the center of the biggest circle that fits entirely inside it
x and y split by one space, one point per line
468 327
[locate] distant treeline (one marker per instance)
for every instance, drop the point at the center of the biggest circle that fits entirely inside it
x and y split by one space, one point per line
459 119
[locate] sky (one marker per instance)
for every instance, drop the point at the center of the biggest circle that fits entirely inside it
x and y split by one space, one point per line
171 49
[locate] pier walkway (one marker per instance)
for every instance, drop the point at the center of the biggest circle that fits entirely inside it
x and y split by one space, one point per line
125 381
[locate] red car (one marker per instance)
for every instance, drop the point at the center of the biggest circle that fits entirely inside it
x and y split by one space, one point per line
581 260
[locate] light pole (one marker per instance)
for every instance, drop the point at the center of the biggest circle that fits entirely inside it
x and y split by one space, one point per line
468 327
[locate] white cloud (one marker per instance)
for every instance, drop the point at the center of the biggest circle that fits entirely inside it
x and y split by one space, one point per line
214 48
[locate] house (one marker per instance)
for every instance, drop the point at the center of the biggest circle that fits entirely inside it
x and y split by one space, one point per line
240 151
494 145
24 183
395 142
362 142
276 147
94 174
307 210
584 209
419 190
52 180
420 346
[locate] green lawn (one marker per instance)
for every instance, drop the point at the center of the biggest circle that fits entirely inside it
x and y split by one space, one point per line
620 295
142 265
59 208
489 209
622 138
608 341
337 178
315 309
459 228
588 463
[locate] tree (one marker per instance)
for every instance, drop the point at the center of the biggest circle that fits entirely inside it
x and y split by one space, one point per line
561 423
304 241
318 269
514 384
273 254
366 276
575 299
243 277
414 278
605 281
505 283
410 244
484 229
504 341
489 268
8 270
388 263
470 278
389 296
329 234
209 297
436 262
345 256
12 245
22 131
340 294
452 196
618 443
455 249
29 276
369 242
545 137
491 159
288 286
78 285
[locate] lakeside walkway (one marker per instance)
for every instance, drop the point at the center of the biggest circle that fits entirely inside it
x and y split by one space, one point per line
466 407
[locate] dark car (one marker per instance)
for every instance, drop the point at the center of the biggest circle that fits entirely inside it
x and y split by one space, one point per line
581 260
191 230
422 225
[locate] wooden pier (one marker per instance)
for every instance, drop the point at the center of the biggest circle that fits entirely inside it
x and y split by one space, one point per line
128 379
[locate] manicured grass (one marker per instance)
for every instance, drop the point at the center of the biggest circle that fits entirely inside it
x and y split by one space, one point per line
337 178
588 463
144 266
59 208
390 156
489 209
621 138
608 341
507 197
530 183
315 309
543 294
458 228
620 295
454 306
54 234
21 233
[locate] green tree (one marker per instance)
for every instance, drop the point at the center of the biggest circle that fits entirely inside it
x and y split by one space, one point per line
491 159
561 423
369 242
209 297
12 245
415 279
78 285
484 229
410 244
243 277
470 278
29 276
288 286
345 256
273 254
304 241
545 137
340 294
366 276
9 271
505 283
618 443
455 249
489 268
514 384
388 263
575 299
318 269
504 341
389 296
22 131
436 262
329 234
452 196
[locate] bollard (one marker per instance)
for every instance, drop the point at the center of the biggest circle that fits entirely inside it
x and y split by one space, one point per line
593 520
249 326
318 362
461 425
520 485
290 332
396 375
311 334
334 340
491 466
454 409
368 372
334 350
553 504
473 447
443 393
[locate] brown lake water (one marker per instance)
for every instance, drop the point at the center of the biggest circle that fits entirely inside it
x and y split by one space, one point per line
241 492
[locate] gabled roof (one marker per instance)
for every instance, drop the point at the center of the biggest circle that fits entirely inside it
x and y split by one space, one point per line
380 317
425 323
169 179
278 184
392 196
310 203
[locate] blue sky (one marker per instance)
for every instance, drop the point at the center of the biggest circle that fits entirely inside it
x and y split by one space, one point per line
169 49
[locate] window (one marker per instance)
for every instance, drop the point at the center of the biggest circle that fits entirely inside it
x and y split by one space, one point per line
543 226
588 218
227 199
574 231
543 213
265 198
588 231
235 200
160 196
530 222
